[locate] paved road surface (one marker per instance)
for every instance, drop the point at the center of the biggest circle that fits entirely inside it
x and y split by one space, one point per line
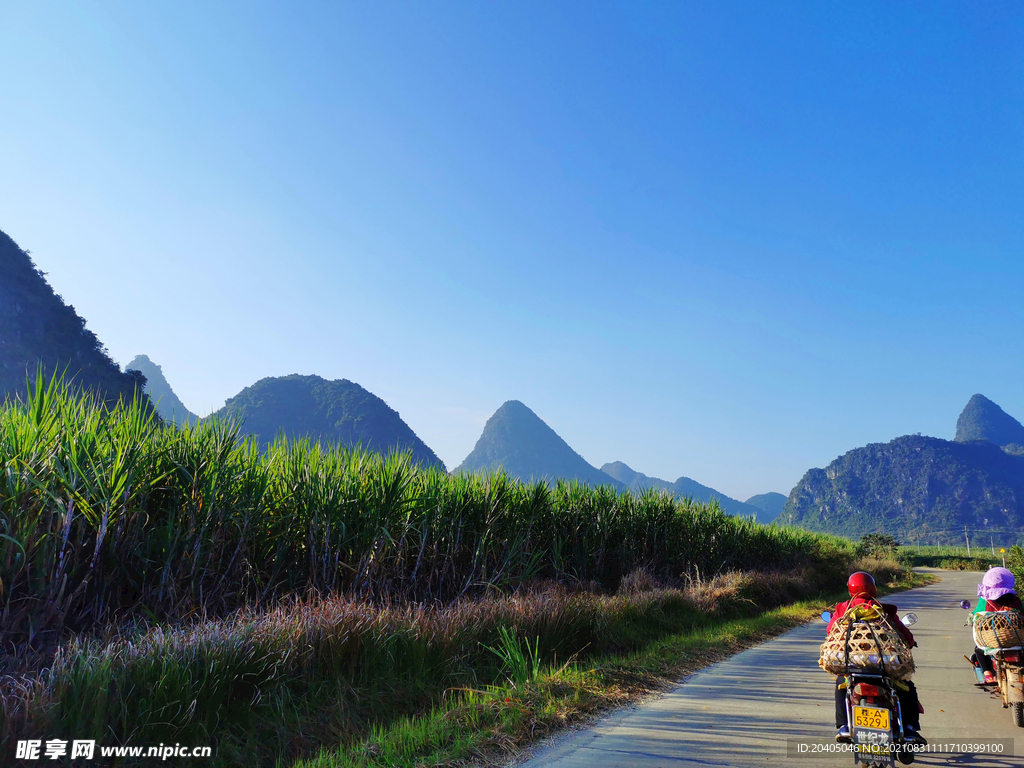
741 712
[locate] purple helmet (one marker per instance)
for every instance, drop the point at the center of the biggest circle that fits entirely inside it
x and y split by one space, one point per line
996 583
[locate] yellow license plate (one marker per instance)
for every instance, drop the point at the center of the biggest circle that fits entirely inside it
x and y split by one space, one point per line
871 717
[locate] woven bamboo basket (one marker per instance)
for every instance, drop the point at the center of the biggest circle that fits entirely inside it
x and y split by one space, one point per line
872 645
999 629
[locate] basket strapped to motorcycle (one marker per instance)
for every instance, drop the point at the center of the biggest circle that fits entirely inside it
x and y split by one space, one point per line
865 615
999 643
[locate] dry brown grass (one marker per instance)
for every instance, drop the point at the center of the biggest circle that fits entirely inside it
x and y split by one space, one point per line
209 678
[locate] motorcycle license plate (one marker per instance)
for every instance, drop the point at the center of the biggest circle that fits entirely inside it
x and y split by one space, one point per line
871 717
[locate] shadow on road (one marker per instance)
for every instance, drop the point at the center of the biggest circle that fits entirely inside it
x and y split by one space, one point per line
747 710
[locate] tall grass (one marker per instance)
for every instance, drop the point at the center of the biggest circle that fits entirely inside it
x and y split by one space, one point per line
109 514
265 687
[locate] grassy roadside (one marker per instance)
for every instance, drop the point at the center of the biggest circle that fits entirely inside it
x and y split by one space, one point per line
954 558
268 688
486 726
953 563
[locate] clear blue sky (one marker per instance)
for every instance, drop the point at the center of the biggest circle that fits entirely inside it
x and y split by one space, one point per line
724 240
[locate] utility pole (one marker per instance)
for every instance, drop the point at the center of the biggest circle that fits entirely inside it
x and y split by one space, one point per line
993 546
966 536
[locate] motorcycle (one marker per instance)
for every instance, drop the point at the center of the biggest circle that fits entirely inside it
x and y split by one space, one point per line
874 716
1008 665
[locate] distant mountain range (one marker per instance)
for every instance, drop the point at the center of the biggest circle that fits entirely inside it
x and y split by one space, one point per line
916 488
339 412
684 487
38 328
770 504
517 440
922 488
160 393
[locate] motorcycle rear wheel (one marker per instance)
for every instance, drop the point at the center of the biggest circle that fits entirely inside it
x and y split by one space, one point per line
905 757
1018 713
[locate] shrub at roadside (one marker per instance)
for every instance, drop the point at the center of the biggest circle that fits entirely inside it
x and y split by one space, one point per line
1015 562
878 545
887 571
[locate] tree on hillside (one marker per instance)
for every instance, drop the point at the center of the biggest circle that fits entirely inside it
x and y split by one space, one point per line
39 329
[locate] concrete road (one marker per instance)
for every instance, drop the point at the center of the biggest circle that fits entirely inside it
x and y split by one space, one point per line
742 711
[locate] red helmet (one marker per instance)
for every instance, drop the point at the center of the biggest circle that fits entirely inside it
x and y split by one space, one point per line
861 584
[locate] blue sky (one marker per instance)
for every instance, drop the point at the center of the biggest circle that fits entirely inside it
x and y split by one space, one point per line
723 240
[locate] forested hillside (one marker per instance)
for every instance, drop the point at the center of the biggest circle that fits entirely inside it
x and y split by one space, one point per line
37 328
915 488
769 504
339 412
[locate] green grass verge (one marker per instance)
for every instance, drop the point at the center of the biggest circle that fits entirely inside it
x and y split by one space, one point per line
484 726
953 562
951 558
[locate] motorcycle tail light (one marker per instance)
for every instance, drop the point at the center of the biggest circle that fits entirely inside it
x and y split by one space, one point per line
865 689
1011 657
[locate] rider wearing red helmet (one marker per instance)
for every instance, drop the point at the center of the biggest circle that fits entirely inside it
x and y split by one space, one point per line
862 589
